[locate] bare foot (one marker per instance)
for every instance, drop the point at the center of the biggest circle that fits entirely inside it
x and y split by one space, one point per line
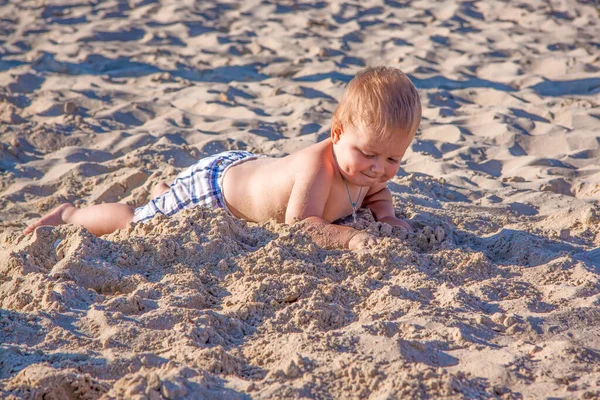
54 218
159 189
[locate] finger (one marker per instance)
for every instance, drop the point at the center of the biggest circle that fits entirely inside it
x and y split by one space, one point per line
372 242
407 226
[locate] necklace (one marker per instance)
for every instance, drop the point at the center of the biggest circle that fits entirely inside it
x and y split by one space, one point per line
354 204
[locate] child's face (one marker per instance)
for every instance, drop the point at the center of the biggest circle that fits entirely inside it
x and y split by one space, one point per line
365 160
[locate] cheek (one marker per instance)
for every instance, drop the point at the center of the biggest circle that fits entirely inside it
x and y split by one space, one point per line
391 170
354 163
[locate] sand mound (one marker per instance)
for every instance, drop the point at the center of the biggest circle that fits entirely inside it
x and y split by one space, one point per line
171 307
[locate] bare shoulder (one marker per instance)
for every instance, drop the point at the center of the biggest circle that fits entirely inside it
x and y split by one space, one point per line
313 175
313 161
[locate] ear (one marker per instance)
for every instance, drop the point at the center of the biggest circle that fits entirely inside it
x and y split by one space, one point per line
337 129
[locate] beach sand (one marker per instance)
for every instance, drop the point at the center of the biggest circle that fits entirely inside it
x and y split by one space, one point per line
496 295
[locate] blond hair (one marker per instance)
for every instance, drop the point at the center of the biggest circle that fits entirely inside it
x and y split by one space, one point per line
382 100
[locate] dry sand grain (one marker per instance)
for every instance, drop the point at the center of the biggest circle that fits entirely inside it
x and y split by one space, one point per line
496 295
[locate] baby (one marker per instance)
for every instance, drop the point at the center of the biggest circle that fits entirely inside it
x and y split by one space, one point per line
372 127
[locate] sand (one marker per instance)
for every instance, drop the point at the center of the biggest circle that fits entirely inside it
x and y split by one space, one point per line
496 295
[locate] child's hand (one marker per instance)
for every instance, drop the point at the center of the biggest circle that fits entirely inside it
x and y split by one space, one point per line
397 222
362 241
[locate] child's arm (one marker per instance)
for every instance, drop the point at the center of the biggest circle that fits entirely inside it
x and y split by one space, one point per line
307 203
379 200
328 235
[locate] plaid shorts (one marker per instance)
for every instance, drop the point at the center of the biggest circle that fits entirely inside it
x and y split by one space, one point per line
200 184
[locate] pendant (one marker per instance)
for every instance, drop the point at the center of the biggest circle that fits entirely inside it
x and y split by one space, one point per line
354 215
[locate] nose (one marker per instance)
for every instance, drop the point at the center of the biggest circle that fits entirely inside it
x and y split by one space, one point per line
377 166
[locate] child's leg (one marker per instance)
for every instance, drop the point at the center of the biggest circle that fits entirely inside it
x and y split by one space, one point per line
98 219
159 189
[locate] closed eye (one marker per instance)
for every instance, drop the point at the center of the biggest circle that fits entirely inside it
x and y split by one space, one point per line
369 156
392 160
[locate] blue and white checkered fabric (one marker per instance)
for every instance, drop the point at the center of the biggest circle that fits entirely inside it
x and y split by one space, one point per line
200 184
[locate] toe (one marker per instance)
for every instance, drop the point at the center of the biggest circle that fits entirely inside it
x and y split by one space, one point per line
29 229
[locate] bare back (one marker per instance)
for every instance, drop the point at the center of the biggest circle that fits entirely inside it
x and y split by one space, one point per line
259 189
